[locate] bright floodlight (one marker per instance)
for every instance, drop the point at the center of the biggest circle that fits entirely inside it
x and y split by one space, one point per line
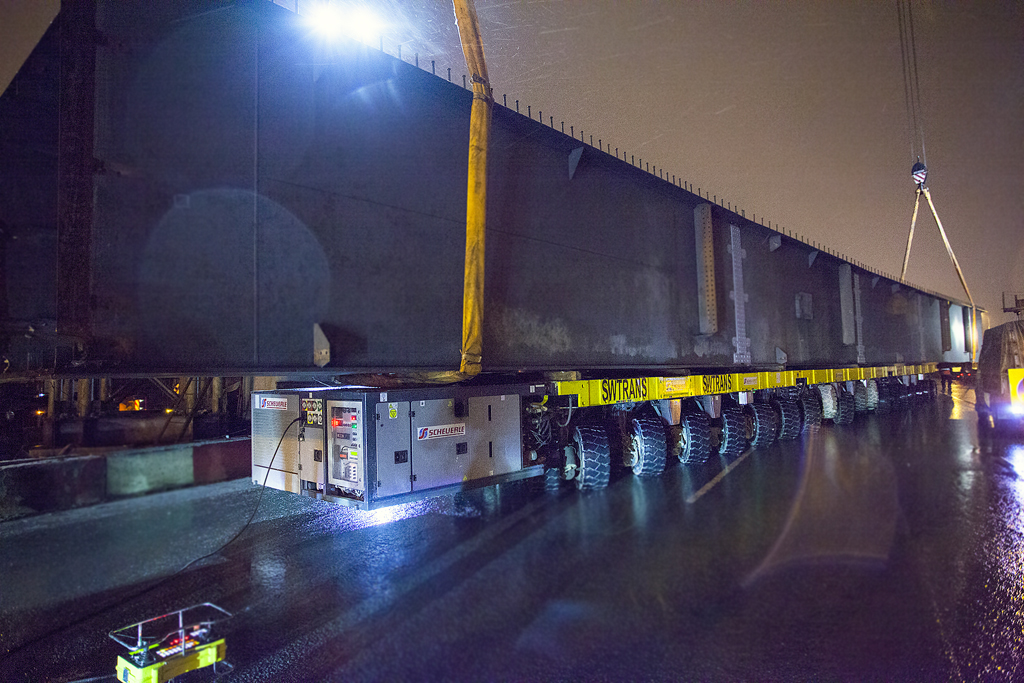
332 21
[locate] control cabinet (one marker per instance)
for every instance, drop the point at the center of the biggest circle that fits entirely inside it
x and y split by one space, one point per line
371 448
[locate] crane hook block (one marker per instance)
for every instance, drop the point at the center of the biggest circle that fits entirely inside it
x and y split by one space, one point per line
919 172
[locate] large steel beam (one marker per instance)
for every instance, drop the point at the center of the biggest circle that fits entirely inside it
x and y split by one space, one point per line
75 166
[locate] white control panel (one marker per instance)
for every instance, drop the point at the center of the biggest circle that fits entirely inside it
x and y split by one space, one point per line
347 445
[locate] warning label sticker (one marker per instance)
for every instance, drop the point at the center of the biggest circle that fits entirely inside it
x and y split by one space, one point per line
314 409
440 431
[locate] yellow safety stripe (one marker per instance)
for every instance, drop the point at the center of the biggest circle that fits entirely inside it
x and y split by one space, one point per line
601 392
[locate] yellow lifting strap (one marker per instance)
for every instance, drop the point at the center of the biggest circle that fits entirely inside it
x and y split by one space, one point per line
921 189
910 238
476 203
476 194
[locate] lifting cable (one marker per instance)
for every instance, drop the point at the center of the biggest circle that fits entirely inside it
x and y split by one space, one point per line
919 171
911 83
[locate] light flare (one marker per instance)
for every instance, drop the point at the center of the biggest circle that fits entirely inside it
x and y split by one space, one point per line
333 22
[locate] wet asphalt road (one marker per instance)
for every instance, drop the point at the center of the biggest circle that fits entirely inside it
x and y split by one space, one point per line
891 549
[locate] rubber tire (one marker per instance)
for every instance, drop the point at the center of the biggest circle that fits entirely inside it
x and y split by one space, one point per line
829 401
552 479
860 398
789 419
695 439
885 398
846 410
810 406
788 393
916 391
903 394
765 426
872 389
594 457
647 438
734 438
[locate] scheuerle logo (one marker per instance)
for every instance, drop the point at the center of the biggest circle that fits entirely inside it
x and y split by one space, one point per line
272 403
440 431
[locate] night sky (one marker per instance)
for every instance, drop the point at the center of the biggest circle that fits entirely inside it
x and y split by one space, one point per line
791 111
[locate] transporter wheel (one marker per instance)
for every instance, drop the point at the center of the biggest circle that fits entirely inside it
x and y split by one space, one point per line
892 393
916 391
829 401
592 451
552 479
647 445
905 394
846 409
920 391
810 405
898 394
860 397
872 394
788 393
789 419
695 438
734 438
885 397
761 424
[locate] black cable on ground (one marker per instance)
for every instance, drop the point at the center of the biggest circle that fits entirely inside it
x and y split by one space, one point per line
259 500
163 580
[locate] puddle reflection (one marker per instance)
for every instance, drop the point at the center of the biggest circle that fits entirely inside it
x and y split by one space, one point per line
845 508
268 571
1016 459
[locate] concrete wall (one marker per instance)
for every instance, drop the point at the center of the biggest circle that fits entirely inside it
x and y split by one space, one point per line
47 485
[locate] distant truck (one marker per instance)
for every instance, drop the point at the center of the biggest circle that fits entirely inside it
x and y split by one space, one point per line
1000 387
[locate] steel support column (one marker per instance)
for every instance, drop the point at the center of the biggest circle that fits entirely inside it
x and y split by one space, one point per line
216 394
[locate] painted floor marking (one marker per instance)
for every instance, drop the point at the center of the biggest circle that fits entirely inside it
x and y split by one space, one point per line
719 477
